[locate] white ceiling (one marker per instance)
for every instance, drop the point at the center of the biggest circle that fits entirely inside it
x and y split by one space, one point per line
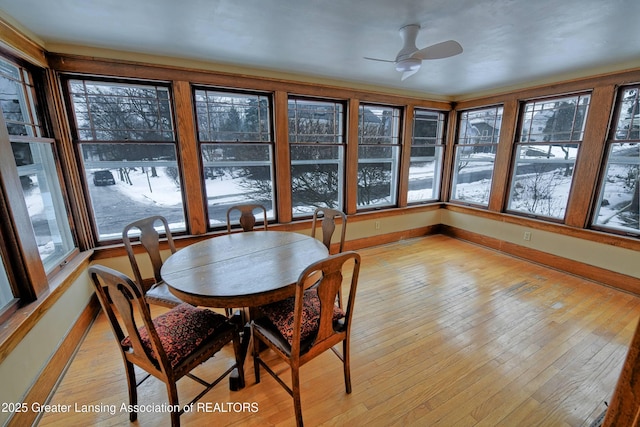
507 43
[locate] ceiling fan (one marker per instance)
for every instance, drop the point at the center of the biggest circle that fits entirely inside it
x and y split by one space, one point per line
410 58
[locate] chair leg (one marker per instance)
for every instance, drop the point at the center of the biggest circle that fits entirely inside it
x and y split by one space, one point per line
133 390
172 391
256 358
346 364
295 388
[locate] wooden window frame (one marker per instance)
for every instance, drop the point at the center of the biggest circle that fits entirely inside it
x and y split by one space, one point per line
518 143
342 145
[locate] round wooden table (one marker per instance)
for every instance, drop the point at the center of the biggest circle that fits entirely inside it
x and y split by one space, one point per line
241 269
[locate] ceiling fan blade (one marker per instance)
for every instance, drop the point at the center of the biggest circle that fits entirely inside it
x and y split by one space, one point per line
439 50
380 60
409 73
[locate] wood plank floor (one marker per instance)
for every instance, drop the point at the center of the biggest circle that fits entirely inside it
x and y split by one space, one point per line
445 333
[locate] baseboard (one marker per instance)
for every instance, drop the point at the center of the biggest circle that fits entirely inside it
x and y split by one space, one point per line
45 385
601 275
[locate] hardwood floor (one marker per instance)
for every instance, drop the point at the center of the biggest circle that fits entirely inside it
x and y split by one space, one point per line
445 333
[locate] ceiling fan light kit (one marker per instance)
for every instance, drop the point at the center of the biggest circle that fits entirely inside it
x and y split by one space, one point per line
409 64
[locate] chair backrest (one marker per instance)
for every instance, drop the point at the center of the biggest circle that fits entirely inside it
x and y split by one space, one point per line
123 303
328 224
247 217
332 270
150 241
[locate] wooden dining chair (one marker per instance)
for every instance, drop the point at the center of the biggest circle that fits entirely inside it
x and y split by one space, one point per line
247 222
154 289
327 219
168 347
247 217
306 325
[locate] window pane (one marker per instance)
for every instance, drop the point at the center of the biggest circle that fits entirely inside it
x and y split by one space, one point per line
237 173
377 175
6 294
16 100
315 121
45 202
475 151
472 175
619 201
379 125
542 179
107 111
317 155
316 178
559 120
127 182
628 125
225 116
426 156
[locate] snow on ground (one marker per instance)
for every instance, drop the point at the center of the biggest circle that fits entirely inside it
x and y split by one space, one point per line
160 190
163 191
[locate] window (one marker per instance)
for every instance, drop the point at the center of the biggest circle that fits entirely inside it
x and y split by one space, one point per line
6 295
475 155
126 139
45 202
316 138
426 156
234 130
550 134
378 156
618 207
34 155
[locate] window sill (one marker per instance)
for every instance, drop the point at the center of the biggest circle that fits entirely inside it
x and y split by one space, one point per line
25 318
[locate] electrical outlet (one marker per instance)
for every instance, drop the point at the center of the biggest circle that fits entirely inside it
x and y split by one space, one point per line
527 235
377 225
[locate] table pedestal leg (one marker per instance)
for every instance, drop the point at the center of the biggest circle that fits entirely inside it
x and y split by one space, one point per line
235 382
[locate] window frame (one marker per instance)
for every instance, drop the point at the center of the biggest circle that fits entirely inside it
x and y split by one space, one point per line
499 110
19 250
77 143
270 143
520 143
340 142
612 140
396 148
439 146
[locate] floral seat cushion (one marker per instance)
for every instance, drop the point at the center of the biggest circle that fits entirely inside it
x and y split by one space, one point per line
181 330
280 314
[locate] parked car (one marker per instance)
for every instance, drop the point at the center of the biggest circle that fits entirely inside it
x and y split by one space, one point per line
104 177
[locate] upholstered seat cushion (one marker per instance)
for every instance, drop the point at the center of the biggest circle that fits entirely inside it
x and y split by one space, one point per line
182 330
280 314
